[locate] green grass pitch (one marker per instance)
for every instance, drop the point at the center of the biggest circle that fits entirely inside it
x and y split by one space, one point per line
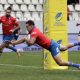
30 67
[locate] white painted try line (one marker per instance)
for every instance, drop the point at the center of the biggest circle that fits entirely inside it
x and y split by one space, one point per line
34 67
13 65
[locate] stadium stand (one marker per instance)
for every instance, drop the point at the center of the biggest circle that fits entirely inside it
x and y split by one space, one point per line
11 1
74 10
23 9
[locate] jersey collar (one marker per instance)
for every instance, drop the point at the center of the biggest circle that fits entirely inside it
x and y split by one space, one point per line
32 29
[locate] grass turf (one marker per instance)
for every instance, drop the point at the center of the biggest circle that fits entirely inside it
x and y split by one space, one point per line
30 67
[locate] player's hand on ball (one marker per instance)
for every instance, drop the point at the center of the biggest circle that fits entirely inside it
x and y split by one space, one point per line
28 37
12 42
11 31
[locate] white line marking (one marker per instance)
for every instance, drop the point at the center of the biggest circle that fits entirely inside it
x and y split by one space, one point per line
74 70
34 67
13 65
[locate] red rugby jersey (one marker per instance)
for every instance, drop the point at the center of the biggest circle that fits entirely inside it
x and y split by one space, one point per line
41 39
8 24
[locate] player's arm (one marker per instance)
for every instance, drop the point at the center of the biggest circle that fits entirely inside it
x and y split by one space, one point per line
26 39
16 23
31 41
19 31
18 41
33 37
17 26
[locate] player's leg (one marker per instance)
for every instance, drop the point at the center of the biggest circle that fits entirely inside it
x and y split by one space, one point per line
15 38
14 49
7 39
70 45
59 41
55 52
5 44
60 62
2 46
63 48
78 39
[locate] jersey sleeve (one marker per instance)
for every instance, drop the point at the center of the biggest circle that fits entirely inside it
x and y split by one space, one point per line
16 22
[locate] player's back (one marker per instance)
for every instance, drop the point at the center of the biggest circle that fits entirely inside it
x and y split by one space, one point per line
41 39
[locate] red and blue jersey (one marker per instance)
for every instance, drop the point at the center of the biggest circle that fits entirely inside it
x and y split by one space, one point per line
41 39
8 24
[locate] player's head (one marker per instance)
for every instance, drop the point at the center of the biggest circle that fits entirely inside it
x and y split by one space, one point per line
8 11
30 25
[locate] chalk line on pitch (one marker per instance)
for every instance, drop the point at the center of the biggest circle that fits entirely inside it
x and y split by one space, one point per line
34 67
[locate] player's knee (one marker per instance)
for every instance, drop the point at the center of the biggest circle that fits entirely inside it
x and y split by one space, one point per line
63 49
60 63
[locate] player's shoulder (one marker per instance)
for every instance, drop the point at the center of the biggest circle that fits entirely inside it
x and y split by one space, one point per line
3 16
14 18
36 29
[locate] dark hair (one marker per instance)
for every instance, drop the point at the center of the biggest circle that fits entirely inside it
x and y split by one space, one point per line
9 8
30 22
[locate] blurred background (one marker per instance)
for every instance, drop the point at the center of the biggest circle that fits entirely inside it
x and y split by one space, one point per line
73 17
33 9
24 10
